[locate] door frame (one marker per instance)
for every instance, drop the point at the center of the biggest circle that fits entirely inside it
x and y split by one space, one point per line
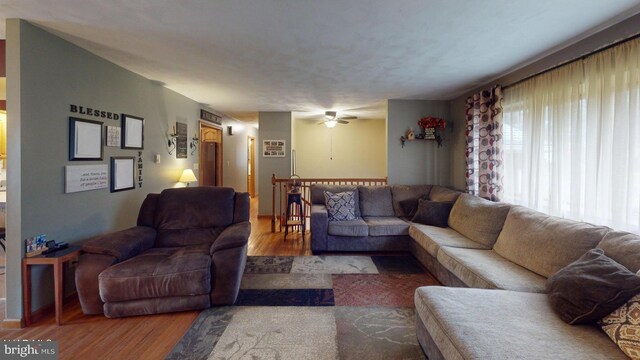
251 162
219 157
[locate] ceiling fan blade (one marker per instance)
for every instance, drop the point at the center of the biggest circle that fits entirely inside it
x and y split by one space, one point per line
348 117
321 122
342 122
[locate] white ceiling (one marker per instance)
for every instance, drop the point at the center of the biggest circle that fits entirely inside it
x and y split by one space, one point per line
305 55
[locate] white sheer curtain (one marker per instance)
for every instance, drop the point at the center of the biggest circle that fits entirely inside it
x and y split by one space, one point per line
572 140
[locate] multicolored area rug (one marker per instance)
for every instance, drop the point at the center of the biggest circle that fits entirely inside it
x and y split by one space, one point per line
314 307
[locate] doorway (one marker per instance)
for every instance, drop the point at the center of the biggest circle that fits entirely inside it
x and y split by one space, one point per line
210 159
251 165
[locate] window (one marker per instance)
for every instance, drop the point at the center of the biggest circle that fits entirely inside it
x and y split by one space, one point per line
572 140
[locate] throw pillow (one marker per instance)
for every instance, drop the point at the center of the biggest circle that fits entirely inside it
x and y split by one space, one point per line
340 206
591 287
410 206
433 213
623 327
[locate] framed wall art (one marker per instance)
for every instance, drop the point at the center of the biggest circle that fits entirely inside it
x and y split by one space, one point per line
132 132
274 148
85 139
122 173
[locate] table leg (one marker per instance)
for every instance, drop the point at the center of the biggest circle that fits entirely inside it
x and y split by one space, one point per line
26 293
57 275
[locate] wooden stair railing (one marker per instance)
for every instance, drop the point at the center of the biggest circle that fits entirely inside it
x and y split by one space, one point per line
280 188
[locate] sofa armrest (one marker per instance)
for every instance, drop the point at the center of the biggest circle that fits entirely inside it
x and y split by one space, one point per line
319 227
123 244
235 235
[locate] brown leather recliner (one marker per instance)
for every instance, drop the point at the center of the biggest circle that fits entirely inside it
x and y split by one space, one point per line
188 252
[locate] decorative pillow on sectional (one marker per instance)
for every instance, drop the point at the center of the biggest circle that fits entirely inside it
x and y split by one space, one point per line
591 287
410 206
623 327
340 206
433 213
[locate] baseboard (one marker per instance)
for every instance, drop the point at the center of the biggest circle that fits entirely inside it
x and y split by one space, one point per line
12 324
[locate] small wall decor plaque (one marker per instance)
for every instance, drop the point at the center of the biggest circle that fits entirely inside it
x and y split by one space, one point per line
274 148
85 177
181 140
113 136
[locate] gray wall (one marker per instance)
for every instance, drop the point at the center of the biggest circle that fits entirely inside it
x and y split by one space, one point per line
613 34
234 151
420 161
45 75
273 126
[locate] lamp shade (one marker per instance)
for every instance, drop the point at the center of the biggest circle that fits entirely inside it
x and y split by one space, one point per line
187 176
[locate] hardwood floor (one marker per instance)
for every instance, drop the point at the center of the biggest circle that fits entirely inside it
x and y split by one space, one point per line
143 337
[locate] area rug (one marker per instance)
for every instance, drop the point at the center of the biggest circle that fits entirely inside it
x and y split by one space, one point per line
314 307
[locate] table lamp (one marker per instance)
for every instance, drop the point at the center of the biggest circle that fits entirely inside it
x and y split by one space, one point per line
187 176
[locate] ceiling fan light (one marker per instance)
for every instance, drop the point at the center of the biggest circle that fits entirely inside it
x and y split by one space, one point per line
331 123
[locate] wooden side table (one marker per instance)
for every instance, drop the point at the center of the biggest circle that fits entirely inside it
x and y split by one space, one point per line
57 259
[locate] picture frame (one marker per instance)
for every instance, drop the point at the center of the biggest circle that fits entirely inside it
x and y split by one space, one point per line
132 130
122 173
85 139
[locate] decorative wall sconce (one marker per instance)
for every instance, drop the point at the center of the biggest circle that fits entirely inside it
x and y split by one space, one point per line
194 143
230 130
171 141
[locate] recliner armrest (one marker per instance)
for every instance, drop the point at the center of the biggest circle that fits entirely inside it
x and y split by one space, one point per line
123 244
235 235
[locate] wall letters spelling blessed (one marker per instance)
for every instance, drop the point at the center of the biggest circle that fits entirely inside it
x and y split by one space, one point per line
93 112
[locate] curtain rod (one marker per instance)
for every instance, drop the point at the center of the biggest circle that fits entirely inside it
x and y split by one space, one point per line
582 57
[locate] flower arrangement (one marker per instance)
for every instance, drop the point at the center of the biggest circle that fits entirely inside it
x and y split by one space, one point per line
431 127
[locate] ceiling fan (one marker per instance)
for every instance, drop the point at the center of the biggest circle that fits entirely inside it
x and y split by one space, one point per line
331 119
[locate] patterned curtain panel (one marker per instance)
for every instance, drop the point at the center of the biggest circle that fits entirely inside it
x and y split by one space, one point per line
484 144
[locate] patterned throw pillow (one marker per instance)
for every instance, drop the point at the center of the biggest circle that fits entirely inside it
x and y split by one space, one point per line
623 327
340 206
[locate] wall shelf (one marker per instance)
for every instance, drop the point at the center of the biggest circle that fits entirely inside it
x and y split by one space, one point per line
404 139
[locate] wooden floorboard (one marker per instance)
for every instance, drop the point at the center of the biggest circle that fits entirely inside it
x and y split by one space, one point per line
143 337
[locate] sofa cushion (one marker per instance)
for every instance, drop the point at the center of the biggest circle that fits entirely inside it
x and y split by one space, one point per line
441 193
495 324
147 212
545 244
431 238
123 244
591 287
340 206
488 270
478 219
623 247
158 272
623 327
357 227
376 201
386 226
317 193
409 193
433 213
195 208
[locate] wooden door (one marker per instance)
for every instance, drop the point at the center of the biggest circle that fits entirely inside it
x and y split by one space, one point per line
210 160
251 165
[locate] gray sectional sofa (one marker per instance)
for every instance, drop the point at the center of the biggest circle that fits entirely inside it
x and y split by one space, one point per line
381 225
495 259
